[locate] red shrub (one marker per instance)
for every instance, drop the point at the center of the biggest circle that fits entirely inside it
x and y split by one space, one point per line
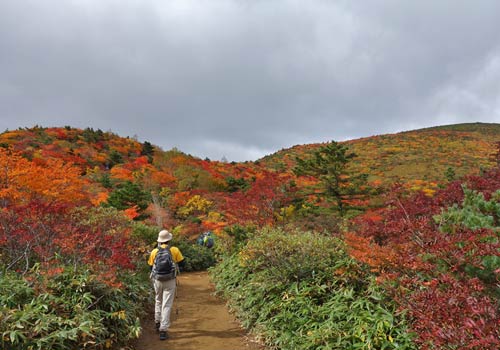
441 278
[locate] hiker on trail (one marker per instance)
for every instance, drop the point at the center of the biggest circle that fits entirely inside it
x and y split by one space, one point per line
163 260
206 239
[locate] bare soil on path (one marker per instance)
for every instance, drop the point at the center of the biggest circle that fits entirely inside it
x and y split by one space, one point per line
199 320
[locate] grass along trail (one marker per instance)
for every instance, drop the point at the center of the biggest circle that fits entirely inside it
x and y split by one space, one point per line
199 321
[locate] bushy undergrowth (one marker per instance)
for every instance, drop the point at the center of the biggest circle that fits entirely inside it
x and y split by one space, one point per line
61 309
198 258
299 290
442 255
98 305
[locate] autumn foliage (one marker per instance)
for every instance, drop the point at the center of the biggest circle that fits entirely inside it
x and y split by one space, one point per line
41 217
430 233
445 277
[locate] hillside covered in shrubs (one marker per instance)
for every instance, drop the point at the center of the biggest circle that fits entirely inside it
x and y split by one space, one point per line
384 242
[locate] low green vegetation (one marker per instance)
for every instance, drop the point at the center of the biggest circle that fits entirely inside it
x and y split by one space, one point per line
198 258
65 308
474 213
299 290
62 306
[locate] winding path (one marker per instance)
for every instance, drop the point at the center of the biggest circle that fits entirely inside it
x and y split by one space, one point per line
199 321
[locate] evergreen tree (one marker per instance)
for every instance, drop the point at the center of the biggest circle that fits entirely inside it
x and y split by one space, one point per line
337 184
115 157
105 181
148 150
92 136
236 184
128 195
474 213
450 174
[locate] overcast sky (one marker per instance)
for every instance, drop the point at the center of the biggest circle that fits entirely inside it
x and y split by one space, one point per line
245 78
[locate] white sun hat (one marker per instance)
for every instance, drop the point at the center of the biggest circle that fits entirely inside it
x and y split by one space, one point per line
164 236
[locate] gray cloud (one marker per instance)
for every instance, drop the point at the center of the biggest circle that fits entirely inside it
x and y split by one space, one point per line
242 79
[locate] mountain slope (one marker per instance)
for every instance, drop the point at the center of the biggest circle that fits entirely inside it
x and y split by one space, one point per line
195 195
418 155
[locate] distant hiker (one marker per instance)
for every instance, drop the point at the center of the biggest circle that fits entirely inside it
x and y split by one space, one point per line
163 260
206 239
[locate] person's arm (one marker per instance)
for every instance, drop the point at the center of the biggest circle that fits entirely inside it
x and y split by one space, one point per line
152 256
182 264
178 258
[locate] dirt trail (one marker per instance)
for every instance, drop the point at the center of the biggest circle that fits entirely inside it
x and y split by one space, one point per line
199 321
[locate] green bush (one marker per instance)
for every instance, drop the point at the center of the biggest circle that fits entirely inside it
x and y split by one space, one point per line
299 290
232 239
198 258
68 310
144 233
474 213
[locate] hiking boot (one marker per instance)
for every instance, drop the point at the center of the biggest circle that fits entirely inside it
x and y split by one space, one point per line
157 326
163 335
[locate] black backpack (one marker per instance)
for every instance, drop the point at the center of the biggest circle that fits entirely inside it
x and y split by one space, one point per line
164 266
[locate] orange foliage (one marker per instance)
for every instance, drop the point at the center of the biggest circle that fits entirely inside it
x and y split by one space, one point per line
216 227
22 180
120 173
153 178
137 164
132 212
180 199
365 250
100 198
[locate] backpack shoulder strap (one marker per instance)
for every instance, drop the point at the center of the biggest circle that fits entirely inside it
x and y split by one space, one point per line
159 250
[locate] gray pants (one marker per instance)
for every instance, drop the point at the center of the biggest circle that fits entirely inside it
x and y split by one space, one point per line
164 299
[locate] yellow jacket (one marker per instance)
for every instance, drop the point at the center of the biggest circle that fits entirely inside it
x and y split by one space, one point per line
176 255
